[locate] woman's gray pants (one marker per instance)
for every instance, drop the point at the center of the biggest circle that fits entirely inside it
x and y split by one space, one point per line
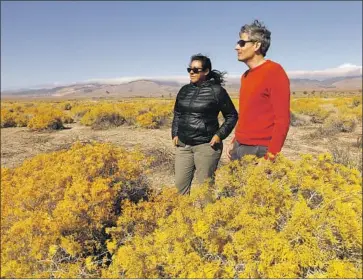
199 159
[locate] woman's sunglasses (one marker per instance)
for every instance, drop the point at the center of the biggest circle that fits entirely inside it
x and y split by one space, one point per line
195 70
242 43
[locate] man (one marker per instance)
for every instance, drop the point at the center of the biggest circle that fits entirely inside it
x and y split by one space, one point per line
264 101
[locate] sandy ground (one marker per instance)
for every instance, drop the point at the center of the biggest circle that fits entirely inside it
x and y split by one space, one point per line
18 144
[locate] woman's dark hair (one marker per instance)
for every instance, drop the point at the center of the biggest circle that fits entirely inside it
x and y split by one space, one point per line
216 75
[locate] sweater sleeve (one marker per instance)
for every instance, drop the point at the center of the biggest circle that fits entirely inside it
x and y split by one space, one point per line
280 100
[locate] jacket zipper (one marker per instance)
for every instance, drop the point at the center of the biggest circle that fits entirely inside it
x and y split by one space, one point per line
190 102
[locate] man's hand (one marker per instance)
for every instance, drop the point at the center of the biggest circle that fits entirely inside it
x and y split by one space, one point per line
175 141
270 156
215 140
229 150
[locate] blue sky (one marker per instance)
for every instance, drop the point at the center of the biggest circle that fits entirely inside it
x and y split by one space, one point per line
65 42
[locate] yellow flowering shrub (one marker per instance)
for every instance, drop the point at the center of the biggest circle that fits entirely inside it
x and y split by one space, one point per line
70 219
7 118
146 120
15 114
310 107
46 119
272 220
147 113
103 116
143 113
55 209
35 115
80 109
320 108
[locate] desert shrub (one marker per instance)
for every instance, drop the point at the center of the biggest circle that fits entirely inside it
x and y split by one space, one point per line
46 119
346 155
148 114
103 116
356 101
79 109
352 112
22 120
131 112
108 120
311 107
67 106
14 115
297 120
349 106
36 115
147 120
161 158
260 220
67 119
164 113
272 220
7 118
97 114
336 124
55 208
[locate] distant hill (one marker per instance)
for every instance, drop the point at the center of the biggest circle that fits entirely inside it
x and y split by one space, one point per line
169 88
339 83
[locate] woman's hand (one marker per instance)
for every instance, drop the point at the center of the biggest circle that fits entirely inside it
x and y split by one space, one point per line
175 141
215 140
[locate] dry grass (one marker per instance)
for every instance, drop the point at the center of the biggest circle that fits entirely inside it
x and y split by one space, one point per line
299 120
108 121
163 159
347 155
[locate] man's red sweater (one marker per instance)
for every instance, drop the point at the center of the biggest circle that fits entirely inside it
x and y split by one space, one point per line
264 107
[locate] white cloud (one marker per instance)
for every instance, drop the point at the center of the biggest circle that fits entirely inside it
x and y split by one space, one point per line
122 80
344 70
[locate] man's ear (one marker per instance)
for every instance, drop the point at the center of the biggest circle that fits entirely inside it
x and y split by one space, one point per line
206 72
257 46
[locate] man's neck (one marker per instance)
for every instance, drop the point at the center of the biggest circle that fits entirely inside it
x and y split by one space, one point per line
255 61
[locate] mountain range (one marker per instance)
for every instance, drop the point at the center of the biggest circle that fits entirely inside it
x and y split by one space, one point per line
170 87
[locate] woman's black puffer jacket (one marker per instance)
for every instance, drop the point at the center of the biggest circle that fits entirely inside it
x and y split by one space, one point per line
196 113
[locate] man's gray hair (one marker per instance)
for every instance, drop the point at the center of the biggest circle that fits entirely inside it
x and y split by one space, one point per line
258 32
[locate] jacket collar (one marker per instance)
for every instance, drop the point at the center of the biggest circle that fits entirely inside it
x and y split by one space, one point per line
204 84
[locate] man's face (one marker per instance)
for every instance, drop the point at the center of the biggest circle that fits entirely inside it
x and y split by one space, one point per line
246 49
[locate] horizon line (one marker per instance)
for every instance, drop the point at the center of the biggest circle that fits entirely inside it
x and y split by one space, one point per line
344 70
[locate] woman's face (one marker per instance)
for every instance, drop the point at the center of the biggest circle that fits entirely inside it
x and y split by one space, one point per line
196 72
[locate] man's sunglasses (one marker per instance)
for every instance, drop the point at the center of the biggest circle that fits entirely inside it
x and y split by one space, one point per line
242 43
195 70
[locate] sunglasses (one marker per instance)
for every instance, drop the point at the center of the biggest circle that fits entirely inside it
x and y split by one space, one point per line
195 70
242 43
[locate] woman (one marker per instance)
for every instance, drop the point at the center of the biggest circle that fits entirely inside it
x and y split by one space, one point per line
195 130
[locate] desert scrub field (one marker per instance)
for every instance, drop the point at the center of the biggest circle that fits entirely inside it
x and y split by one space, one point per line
340 113
147 113
88 212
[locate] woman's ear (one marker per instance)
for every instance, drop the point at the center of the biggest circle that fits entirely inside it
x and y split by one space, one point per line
206 72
